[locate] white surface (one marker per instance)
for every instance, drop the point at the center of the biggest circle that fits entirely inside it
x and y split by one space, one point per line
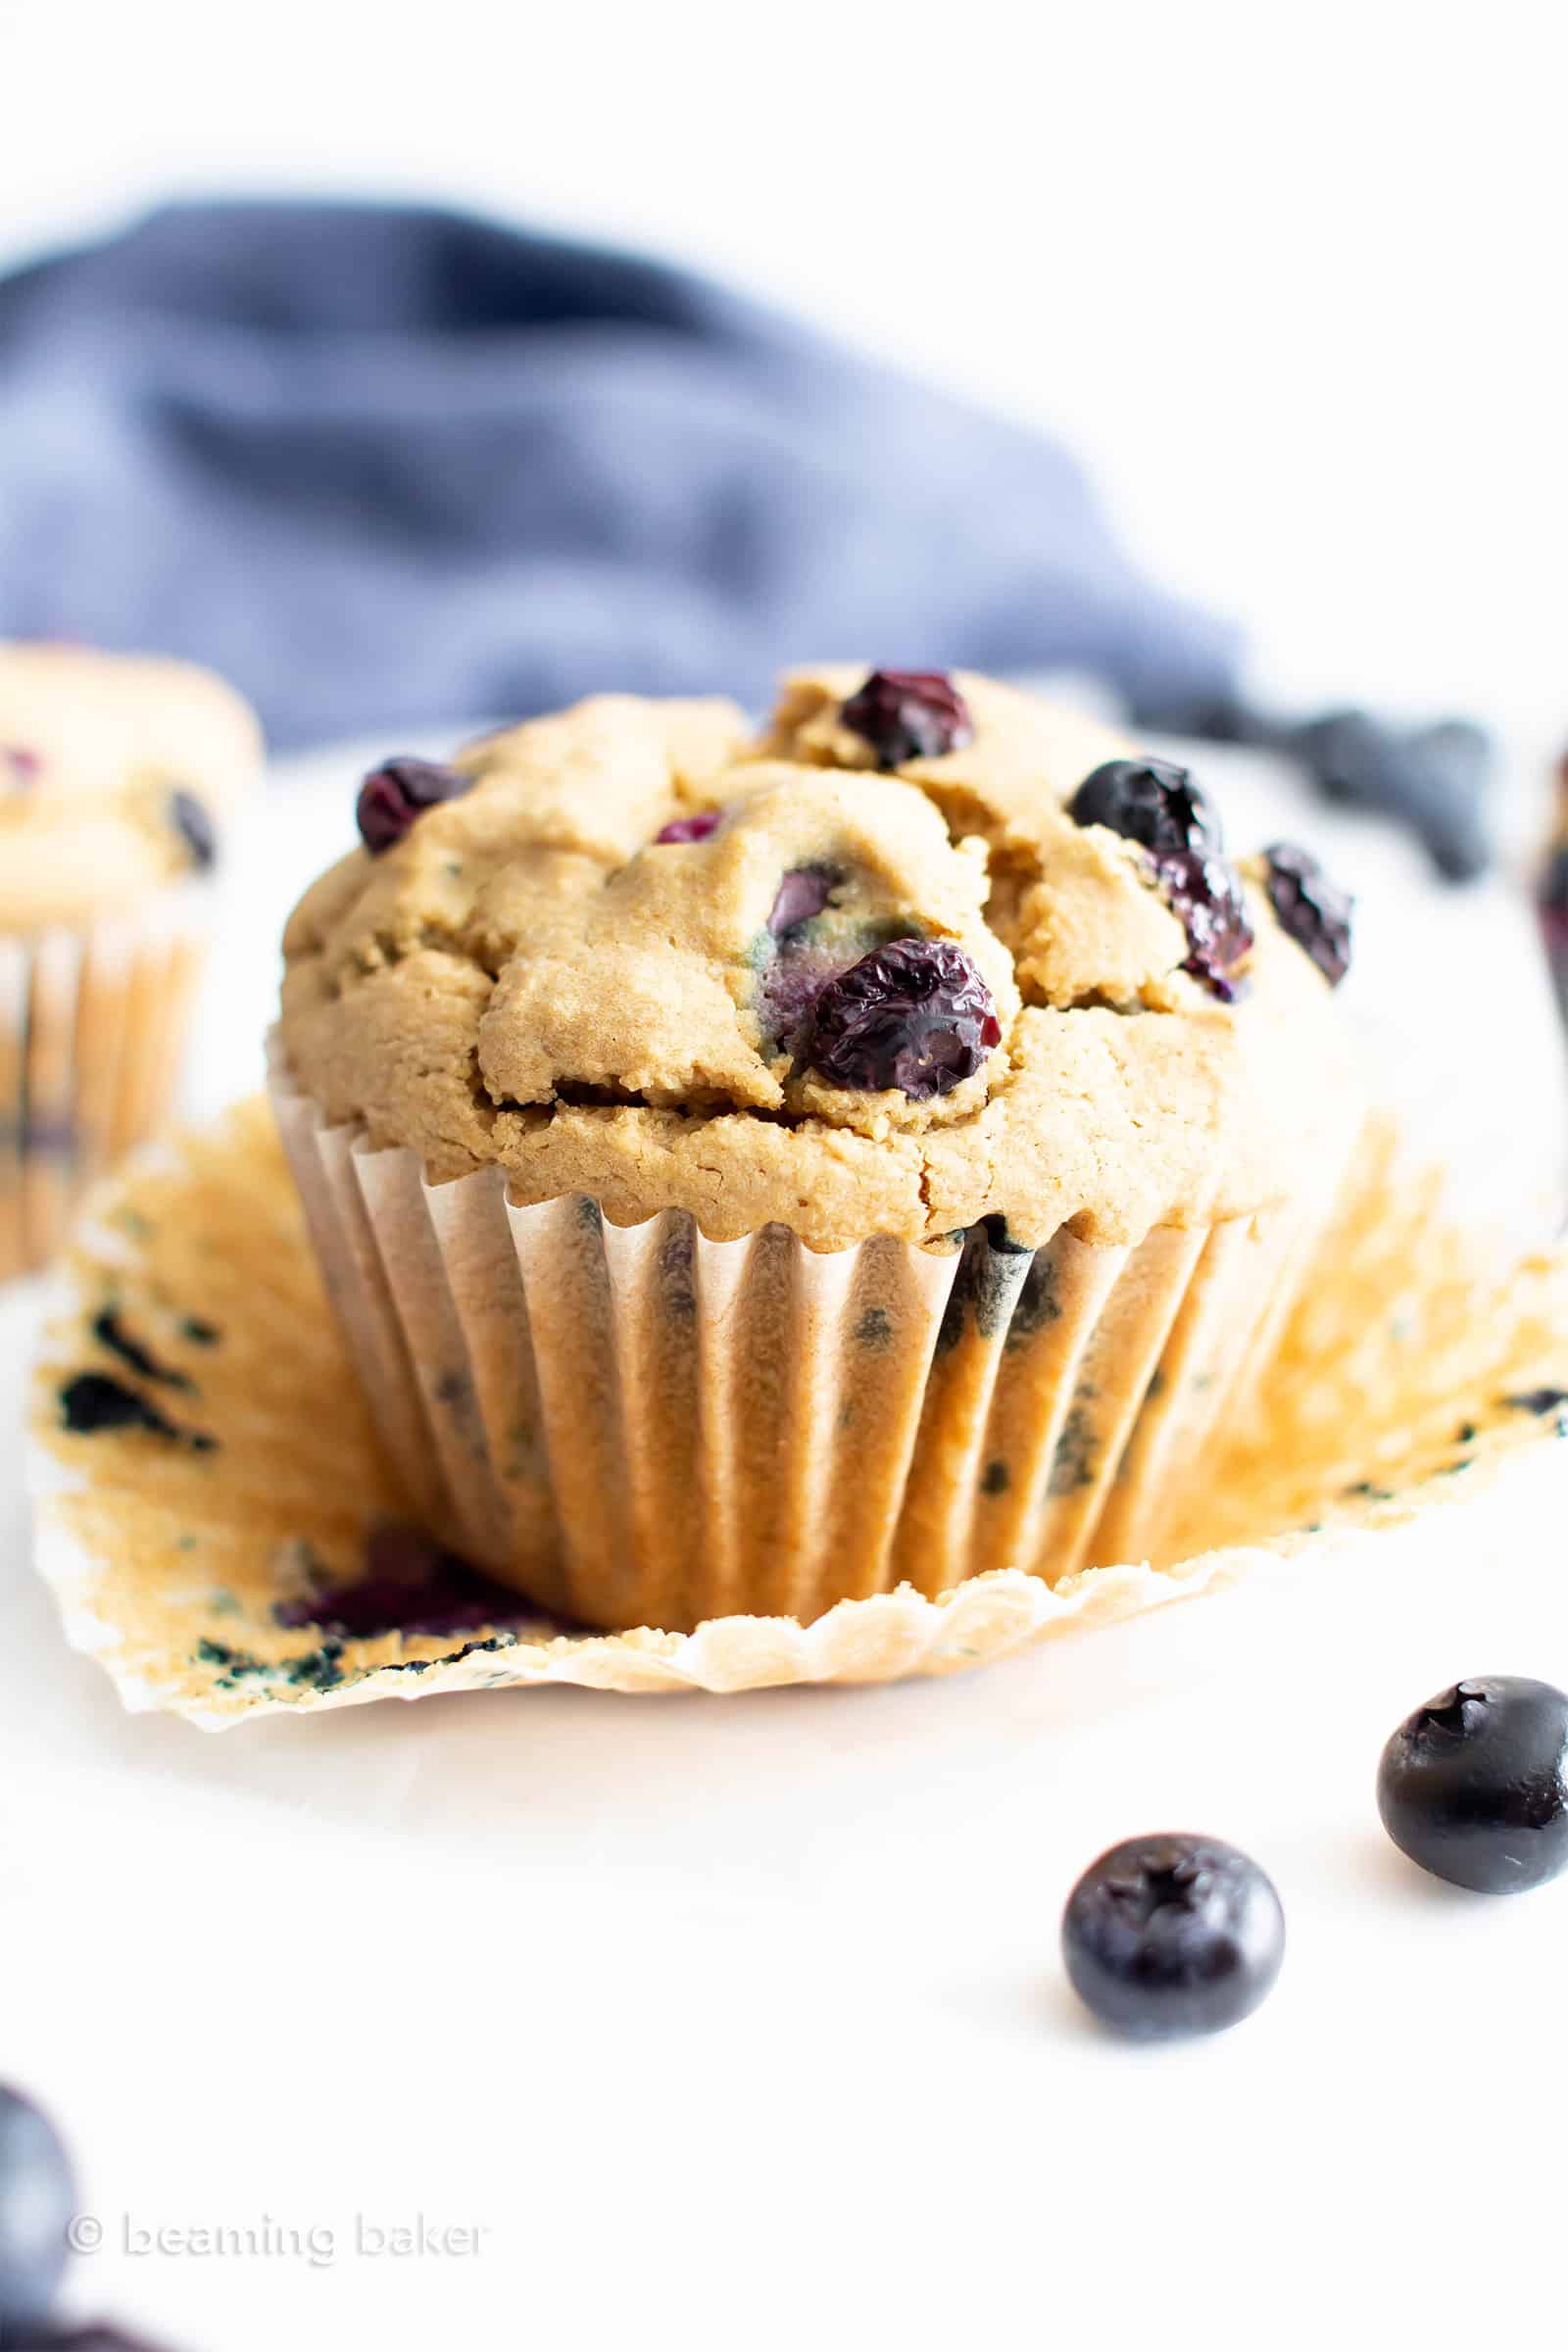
1286 278
740 2023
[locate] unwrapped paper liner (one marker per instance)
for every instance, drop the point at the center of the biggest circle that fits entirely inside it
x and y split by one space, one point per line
636 1424
188 1560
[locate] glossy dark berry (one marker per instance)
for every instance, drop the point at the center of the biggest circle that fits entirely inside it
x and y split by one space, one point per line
37 2201
1205 895
1312 909
915 1014
1153 801
1172 1934
1474 1786
1554 894
193 822
801 896
689 828
396 795
909 715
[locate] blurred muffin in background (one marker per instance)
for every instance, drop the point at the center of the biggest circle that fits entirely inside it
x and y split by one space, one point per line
119 778
1553 892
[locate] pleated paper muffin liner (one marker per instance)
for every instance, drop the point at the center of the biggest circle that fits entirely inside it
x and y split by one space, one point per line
636 1425
211 1494
92 1027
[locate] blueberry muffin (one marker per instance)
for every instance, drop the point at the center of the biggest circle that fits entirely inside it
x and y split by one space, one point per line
118 781
753 1172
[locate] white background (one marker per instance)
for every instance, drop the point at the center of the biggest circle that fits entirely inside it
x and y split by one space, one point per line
740 2023
1289 278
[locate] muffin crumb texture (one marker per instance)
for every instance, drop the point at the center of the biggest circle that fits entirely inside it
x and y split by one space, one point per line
885 970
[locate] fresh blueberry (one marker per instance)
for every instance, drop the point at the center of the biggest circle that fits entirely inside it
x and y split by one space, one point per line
909 715
1433 779
1152 802
1172 1934
802 895
395 795
38 2200
915 1014
1311 908
689 828
1205 895
192 821
1474 1786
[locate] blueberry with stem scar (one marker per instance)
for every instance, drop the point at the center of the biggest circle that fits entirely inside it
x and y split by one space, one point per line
1173 1934
1474 1784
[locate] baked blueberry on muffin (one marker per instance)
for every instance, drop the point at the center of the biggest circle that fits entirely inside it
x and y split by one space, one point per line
118 779
753 1172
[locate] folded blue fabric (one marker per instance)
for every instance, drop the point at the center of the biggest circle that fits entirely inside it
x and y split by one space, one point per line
388 466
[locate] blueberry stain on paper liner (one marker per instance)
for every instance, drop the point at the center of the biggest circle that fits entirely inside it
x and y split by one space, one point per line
19 768
92 1402
411 1584
109 1330
909 715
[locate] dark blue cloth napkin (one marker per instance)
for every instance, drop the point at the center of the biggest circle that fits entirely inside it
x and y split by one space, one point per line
389 466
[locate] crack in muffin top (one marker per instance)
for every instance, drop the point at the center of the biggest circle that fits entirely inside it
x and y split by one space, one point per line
865 973
117 773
